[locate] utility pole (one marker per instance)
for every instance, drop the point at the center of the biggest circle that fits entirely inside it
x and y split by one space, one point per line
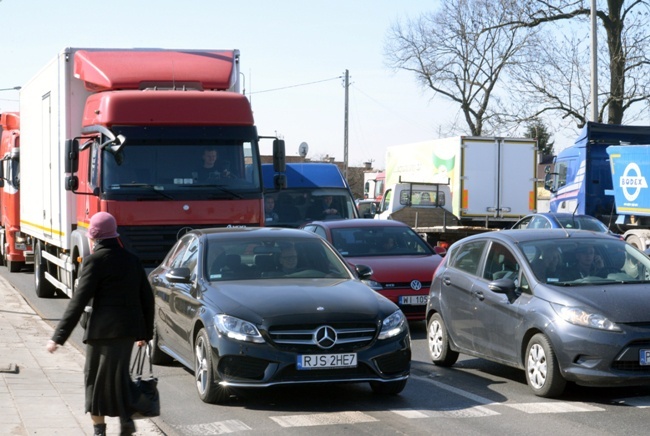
594 64
345 127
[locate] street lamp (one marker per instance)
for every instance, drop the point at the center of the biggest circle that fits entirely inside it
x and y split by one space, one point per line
15 88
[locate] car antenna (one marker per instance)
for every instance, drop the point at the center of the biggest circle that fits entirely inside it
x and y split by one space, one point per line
573 219
573 215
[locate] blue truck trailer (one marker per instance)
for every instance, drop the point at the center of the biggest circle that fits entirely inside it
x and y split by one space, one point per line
310 190
599 173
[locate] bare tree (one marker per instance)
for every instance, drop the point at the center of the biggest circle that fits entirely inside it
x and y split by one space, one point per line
451 52
556 75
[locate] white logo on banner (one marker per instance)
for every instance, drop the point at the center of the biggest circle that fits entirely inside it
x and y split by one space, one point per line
632 181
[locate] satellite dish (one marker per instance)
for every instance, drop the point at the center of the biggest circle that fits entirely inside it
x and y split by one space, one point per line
303 149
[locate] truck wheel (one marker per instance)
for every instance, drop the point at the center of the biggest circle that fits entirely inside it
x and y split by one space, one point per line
44 289
635 241
13 266
3 249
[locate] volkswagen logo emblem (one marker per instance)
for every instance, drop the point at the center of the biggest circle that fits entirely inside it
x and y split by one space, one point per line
416 285
325 337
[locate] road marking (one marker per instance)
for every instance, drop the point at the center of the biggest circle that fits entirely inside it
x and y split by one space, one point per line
221 427
465 412
476 398
322 419
555 407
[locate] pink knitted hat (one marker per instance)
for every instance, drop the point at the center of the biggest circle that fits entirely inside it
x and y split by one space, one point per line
103 226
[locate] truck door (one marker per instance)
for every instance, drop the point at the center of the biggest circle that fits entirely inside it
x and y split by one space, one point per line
479 182
498 178
517 173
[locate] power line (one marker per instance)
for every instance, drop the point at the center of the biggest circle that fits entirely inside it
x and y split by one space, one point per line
389 109
295 86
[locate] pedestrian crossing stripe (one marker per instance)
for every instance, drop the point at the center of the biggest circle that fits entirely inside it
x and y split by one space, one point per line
554 407
322 419
464 412
214 428
356 417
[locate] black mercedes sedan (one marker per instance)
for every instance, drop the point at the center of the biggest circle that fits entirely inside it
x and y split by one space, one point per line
257 307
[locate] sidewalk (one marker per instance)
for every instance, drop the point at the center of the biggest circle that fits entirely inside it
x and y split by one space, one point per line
42 393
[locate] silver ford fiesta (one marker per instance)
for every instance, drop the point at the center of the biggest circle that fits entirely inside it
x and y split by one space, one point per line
563 305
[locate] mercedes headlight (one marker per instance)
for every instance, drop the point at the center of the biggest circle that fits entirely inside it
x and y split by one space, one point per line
393 325
237 329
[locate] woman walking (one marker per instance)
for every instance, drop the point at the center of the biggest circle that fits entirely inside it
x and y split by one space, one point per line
114 283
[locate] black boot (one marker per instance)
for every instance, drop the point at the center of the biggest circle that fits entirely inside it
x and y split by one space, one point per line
127 427
100 429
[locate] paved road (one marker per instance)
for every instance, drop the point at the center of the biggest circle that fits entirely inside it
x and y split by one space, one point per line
473 397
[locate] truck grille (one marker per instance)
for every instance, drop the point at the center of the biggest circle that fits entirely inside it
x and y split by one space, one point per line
151 243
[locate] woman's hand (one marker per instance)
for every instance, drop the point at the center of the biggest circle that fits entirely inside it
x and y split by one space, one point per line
51 346
141 343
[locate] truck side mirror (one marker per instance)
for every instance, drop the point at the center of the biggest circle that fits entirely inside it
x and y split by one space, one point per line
280 181
71 183
72 156
548 183
279 159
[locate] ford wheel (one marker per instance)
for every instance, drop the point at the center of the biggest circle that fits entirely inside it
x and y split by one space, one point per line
438 342
542 370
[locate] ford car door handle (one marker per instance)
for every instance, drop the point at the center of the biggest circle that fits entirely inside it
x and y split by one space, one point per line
479 295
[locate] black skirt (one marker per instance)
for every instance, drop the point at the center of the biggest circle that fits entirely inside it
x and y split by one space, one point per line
109 389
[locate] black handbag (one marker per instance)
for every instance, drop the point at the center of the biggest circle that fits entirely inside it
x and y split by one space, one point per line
85 316
146 397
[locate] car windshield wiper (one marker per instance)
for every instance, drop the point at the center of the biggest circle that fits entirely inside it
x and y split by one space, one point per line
632 281
149 187
210 185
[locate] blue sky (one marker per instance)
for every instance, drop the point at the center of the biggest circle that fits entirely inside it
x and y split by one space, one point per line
283 44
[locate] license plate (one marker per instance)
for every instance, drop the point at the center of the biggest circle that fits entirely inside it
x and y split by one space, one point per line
644 357
325 361
413 300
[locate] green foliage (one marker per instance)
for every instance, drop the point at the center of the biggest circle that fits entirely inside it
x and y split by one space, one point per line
538 130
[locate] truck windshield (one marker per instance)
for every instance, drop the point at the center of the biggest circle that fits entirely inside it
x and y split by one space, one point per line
182 170
293 207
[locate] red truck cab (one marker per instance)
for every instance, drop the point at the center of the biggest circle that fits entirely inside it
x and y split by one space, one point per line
15 247
131 132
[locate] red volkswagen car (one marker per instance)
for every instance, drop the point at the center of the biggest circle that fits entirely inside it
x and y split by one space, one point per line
402 262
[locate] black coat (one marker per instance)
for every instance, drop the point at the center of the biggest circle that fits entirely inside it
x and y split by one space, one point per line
123 302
